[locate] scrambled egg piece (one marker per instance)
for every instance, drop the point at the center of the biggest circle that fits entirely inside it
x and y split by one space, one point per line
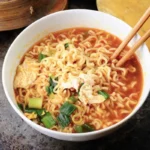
74 82
86 95
49 51
86 91
31 115
26 73
87 78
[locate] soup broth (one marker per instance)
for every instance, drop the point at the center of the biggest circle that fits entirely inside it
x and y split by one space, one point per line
66 82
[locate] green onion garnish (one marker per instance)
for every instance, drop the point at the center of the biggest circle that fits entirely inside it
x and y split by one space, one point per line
63 120
72 99
41 56
39 112
65 111
56 78
35 103
20 106
30 110
80 87
66 45
83 128
48 120
67 108
49 90
87 128
104 94
52 84
78 129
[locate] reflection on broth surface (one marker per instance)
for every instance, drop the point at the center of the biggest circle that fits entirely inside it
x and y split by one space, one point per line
67 83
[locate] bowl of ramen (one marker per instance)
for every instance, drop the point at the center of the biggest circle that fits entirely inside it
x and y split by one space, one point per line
58 77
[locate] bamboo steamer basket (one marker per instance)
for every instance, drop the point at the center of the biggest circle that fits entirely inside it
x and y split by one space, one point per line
15 14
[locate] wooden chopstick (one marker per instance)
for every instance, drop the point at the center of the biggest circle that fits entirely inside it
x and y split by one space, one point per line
133 49
132 33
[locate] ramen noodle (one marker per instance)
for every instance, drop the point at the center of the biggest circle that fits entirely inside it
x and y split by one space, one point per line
67 82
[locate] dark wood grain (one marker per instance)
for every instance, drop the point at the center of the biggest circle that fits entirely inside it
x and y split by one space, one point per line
15 14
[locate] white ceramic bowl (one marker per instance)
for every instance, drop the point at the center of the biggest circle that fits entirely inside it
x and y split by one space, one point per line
59 21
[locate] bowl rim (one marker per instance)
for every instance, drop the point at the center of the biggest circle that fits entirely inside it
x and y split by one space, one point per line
40 128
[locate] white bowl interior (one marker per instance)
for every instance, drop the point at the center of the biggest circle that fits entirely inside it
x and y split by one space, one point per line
59 21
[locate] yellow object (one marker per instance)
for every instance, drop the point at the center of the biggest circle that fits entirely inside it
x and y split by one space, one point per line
31 115
128 10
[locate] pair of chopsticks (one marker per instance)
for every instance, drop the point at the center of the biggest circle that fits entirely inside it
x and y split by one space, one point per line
136 28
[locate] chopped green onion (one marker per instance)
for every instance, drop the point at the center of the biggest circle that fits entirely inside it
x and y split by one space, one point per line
20 106
67 108
72 99
78 129
48 90
30 110
83 128
87 128
39 112
48 120
41 56
80 87
56 78
104 94
63 120
52 84
65 111
35 103
66 45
